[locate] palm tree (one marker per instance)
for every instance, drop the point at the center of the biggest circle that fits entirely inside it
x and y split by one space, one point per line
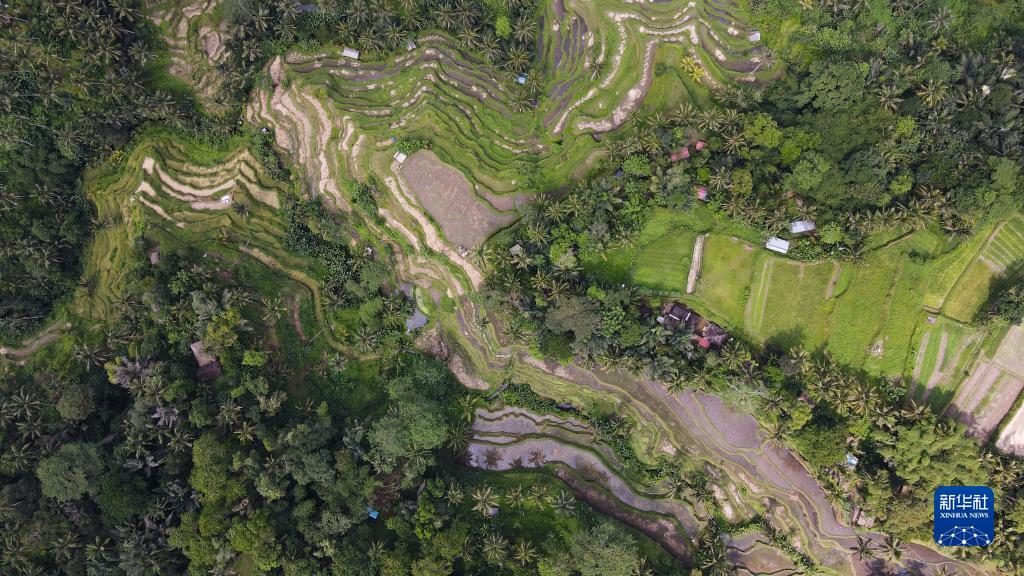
676 485
485 501
524 553
518 59
454 494
735 143
776 433
492 457
494 548
863 549
931 92
563 502
719 180
710 120
892 548
714 555
515 497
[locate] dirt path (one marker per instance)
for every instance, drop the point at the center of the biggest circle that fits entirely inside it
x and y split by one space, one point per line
698 255
296 319
48 335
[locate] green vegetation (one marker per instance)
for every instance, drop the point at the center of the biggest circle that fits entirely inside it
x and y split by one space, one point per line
221 379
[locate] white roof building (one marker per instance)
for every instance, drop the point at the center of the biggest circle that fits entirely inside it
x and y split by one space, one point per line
521 79
802 227
755 36
777 245
350 53
225 199
410 45
400 157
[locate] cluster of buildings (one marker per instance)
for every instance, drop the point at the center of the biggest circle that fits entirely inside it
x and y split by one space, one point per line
706 333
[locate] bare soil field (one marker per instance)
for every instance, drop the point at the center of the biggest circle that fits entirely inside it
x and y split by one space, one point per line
992 388
448 197
1011 440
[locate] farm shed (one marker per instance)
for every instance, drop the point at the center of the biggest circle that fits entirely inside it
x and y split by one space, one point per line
410 45
208 366
400 157
755 36
802 227
777 245
350 53
516 250
702 193
699 145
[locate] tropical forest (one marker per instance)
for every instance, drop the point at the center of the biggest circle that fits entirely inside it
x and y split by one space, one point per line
510 287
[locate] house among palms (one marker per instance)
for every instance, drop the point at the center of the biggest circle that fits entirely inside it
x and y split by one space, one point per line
699 145
350 53
802 227
702 194
705 333
208 366
410 45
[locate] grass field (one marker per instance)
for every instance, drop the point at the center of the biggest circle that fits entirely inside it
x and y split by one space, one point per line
727 270
790 302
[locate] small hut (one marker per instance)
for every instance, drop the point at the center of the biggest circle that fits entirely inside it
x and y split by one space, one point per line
521 79
754 36
410 45
208 366
702 194
802 227
699 145
681 154
400 157
350 53
777 245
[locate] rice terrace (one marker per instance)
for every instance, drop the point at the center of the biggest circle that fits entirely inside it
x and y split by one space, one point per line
454 287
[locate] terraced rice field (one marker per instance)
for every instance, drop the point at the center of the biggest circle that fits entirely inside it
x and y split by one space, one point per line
1002 253
195 33
944 353
992 389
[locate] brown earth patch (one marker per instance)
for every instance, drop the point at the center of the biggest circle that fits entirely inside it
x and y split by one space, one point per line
448 197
